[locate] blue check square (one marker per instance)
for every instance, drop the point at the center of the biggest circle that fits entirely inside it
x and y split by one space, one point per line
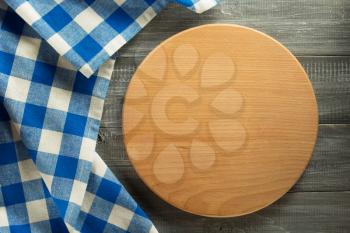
20 228
44 73
75 124
6 61
34 115
83 85
3 113
27 67
8 153
60 190
14 217
101 208
108 190
13 194
58 226
93 224
12 23
43 159
66 167
39 226
87 48
72 145
49 58
119 20
150 2
89 2
53 119
36 90
9 173
61 204
33 190
57 18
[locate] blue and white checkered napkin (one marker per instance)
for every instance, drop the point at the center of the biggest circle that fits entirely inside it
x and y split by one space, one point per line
51 179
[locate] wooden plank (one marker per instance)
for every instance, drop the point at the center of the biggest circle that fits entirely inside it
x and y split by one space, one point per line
306 27
293 213
330 77
329 169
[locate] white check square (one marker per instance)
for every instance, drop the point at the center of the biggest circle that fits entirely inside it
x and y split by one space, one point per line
50 141
37 210
28 170
4 222
204 5
114 45
59 99
28 13
87 202
86 70
120 217
88 19
87 149
106 69
28 47
78 190
17 89
98 166
96 108
59 44
147 16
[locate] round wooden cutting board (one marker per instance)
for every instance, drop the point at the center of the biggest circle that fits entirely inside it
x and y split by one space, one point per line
220 120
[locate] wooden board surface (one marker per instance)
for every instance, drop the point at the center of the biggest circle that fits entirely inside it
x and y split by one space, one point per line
326 181
329 169
220 120
317 32
330 77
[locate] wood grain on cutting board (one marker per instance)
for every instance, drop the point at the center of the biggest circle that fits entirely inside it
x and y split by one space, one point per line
220 120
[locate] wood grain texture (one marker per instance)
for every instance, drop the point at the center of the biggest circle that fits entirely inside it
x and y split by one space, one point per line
317 32
306 27
330 77
319 202
294 213
328 170
220 120
301 212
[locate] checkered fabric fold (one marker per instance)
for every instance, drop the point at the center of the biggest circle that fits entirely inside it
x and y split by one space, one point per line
51 178
99 27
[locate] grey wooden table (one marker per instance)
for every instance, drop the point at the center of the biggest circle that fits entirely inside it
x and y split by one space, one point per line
318 33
